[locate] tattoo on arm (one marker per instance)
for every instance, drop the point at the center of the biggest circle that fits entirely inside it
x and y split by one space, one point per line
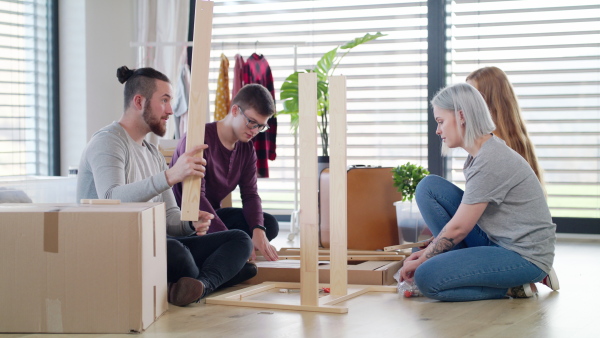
441 245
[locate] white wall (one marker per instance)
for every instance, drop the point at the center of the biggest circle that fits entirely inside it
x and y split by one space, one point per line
94 37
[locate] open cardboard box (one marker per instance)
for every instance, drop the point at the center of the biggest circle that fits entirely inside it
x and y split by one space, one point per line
359 273
70 268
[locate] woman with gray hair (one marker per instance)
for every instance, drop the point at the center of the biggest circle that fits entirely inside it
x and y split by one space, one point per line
496 238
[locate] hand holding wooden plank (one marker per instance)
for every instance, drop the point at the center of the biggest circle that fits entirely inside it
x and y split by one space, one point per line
198 105
188 164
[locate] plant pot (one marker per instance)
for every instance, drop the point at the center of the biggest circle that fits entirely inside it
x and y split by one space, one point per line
410 221
322 164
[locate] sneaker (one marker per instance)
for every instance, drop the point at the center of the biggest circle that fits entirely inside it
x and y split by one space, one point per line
522 291
186 291
551 280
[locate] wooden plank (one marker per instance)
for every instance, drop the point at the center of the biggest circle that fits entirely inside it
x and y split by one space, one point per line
355 290
324 252
349 258
350 293
309 236
381 288
278 306
247 292
227 202
198 105
99 201
167 152
338 186
405 246
236 298
326 303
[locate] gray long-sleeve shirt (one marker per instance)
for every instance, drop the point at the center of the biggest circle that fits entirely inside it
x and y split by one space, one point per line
114 166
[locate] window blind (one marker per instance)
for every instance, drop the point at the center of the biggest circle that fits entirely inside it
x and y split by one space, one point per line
550 51
386 78
24 87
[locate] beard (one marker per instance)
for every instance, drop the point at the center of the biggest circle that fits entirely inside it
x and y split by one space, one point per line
154 123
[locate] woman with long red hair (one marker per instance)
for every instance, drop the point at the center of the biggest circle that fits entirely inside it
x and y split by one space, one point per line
498 93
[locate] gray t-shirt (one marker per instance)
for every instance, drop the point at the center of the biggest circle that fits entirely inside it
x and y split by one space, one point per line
114 166
517 217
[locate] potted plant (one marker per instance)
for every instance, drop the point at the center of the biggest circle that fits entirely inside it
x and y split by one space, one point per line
324 68
406 177
410 222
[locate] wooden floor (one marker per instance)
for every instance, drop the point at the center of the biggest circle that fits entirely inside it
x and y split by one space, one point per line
571 312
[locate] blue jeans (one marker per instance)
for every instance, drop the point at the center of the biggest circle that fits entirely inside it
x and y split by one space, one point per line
476 268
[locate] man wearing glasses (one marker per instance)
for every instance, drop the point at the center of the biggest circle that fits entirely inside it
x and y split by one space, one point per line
231 161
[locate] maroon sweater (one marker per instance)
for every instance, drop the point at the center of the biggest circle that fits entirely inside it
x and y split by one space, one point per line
225 169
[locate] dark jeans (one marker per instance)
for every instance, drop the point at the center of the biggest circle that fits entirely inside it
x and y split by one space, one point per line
234 219
214 259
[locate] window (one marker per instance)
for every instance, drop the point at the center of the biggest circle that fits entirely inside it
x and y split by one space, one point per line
26 89
550 51
386 78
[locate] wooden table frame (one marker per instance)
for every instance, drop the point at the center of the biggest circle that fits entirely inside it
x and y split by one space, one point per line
309 226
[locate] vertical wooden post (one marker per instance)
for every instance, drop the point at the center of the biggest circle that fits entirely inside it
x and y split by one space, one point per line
198 105
338 186
309 237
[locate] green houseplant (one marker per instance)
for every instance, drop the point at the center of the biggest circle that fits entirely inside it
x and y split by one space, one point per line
406 177
324 68
410 222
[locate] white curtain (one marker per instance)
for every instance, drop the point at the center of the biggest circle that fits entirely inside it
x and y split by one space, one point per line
163 23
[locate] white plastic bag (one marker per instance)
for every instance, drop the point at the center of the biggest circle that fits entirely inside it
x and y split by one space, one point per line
406 288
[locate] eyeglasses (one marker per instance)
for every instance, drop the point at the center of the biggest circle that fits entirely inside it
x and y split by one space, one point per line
251 124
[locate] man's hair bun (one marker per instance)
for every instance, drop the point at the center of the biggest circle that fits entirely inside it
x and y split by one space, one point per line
124 73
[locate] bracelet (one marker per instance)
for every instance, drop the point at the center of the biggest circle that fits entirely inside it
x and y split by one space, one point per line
261 228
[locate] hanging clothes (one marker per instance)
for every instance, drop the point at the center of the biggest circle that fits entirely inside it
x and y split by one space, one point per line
238 75
222 99
181 100
257 70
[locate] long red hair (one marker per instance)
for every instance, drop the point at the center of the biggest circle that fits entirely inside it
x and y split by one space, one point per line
500 97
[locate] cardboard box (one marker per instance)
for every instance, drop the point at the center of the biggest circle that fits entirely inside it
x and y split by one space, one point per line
68 268
359 273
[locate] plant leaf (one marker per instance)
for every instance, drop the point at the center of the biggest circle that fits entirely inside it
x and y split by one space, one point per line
289 95
406 178
322 89
358 41
289 87
291 106
295 121
325 64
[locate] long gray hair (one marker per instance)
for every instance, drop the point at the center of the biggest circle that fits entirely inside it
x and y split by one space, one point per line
464 97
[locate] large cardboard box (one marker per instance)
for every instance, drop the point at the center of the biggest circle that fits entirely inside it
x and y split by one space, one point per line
359 273
69 268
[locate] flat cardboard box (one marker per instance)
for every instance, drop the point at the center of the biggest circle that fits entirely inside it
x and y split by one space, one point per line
359 273
69 268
